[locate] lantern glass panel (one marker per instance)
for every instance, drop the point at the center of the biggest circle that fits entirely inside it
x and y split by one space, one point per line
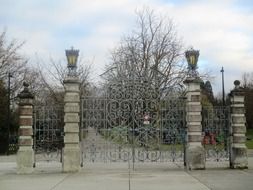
192 59
71 60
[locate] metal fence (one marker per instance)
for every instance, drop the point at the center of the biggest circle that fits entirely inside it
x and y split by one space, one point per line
132 122
48 132
216 132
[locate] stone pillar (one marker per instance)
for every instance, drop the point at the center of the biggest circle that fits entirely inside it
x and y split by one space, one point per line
25 155
195 152
238 150
71 151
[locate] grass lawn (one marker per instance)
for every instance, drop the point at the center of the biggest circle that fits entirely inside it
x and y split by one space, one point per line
249 142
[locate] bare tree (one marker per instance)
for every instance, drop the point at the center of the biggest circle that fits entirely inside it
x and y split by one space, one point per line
152 51
51 79
247 80
40 88
11 62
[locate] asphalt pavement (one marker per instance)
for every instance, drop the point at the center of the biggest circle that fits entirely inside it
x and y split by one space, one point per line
126 176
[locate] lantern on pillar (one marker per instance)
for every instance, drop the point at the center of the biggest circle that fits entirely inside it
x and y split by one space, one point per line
72 56
192 60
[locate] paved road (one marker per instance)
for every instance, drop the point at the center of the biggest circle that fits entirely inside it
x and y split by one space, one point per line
98 149
118 176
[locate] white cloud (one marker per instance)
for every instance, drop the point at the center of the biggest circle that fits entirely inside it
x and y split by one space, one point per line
221 32
220 29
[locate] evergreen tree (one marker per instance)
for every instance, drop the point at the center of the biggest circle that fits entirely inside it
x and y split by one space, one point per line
208 90
207 98
3 118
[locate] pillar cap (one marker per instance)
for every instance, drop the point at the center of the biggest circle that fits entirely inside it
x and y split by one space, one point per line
71 79
192 80
238 90
25 93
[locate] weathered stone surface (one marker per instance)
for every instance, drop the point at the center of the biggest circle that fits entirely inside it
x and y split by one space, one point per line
238 99
238 119
71 138
25 155
195 153
193 123
193 118
71 80
194 108
239 129
25 160
194 138
71 151
192 103
71 88
25 111
25 142
194 128
239 105
71 159
72 146
72 97
72 108
239 139
195 98
25 131
193 87
72 104
239 158
71 128
237 110
71 118
195 157
194 113
25 101
239 151
25 121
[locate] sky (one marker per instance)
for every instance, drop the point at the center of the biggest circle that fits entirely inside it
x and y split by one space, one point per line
221 29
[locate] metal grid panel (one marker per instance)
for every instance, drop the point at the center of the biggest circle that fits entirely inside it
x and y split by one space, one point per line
48 132
131 122
216 132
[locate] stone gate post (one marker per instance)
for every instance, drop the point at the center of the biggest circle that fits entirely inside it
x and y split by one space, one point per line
25 155
195 153
239 150
71 151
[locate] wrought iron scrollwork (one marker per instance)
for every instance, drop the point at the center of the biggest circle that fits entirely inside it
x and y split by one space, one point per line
216 138
48 130
133 122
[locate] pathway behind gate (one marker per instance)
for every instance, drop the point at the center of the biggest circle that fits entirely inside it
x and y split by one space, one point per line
115 176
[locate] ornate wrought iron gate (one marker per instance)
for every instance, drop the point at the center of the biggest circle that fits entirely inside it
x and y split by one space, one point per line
216 132
132 121
48 132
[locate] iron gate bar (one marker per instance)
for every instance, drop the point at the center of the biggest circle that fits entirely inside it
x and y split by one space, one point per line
48 132
117 121
216 132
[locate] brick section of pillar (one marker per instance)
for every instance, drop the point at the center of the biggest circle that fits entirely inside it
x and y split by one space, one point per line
71 151
25 155
239 157
195 153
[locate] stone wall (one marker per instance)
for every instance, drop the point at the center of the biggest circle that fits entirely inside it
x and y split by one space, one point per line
195 153
239 150
71 151
25 155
